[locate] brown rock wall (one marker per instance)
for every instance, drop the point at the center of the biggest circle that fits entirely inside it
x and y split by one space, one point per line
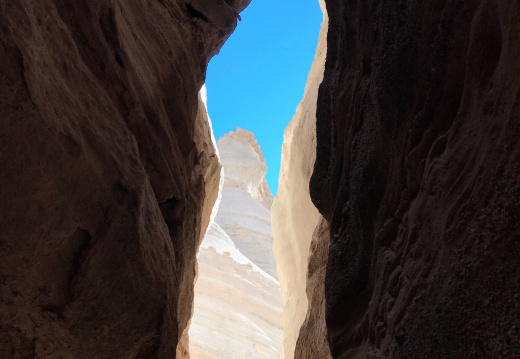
104 170
417 171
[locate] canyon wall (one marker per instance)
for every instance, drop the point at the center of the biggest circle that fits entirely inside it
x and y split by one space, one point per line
417 170
238 304
108 173
294 219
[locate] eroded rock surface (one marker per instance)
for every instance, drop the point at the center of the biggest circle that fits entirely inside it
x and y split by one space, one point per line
293 214
238 304
108 173
417 170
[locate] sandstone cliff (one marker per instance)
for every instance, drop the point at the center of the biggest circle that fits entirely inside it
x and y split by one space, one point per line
238 306
295 217
417 170
108 173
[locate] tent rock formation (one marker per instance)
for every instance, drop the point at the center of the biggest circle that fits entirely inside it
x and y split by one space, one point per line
238 304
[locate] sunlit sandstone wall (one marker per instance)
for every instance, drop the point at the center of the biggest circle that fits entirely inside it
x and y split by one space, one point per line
294 216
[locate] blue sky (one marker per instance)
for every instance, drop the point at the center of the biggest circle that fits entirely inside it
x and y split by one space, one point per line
258 78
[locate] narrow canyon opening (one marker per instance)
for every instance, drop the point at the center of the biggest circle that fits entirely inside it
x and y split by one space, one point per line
238 306
109 174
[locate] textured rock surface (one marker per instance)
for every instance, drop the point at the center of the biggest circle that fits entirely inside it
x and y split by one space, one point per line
417 170
238 306
105 162
294 216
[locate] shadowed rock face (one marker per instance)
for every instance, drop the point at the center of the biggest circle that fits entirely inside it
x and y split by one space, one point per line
106 160
417 171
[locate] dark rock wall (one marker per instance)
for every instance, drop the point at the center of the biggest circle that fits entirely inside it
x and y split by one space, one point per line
103 173
418 173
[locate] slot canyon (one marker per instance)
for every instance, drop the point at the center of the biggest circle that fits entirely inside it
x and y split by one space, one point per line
395 229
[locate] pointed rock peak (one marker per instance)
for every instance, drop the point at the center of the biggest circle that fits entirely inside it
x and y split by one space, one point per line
246 136
244 165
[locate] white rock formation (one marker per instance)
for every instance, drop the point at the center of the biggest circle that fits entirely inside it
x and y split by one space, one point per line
246 199
245 165
294 216
238 305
